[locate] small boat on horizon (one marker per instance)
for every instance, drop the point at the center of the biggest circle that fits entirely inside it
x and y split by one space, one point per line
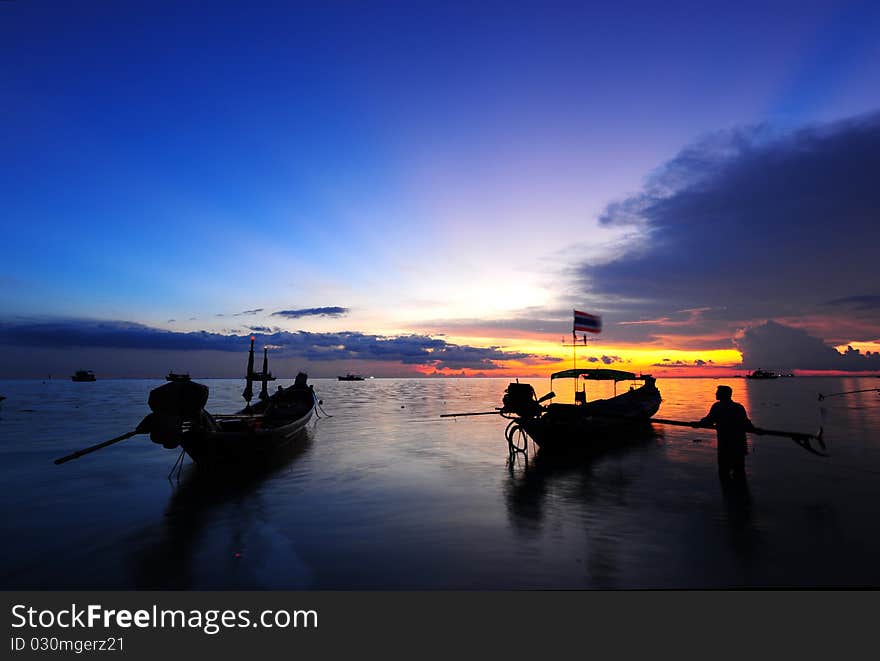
351 377
83 376
762 374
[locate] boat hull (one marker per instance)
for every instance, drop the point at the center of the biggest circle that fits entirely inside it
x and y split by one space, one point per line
211 447
251 434
597 425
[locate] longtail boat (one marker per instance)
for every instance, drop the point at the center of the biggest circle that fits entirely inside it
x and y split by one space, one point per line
178 419
590 425
584 424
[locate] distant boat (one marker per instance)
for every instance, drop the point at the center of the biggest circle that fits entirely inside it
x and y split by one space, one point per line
351 377
762 374
83 375
174 376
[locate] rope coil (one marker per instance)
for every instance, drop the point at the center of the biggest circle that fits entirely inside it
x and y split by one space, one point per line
517 438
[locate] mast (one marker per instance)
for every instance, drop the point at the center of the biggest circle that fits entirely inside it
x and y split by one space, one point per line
587 323
248 393
264 394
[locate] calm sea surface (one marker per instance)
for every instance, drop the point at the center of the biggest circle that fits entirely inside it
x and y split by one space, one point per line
386 495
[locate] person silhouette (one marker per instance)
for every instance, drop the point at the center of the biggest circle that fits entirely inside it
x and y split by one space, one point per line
731 422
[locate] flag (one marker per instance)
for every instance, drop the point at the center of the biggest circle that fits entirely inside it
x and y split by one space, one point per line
586 322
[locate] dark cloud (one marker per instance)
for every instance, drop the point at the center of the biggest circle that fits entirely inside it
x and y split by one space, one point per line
110 334
260 329
605 359
248 313
749 225
861 303
406 349
668 362
333 311
528 322
775 346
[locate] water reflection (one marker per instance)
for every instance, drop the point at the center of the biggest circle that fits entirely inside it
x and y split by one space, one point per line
738 507
590 490
226 502
390 496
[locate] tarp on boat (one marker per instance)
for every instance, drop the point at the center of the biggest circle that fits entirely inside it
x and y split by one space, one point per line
595 374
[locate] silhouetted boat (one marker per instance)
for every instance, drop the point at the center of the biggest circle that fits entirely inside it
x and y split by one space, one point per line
174 376
179 419
597 424
351 377
762 374
83 375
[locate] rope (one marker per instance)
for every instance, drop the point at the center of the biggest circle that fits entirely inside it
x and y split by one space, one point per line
517 438
178 464
848 392
319 407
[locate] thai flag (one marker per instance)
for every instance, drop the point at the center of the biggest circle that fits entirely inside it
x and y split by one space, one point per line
586 322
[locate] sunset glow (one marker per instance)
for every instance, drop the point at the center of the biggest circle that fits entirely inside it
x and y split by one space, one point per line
439 204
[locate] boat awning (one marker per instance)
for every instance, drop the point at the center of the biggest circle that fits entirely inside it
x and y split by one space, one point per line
595 374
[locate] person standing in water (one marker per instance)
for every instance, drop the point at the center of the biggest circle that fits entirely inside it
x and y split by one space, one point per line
731 422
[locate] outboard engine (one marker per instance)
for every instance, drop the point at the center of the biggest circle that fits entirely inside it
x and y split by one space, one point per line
521 400
172 405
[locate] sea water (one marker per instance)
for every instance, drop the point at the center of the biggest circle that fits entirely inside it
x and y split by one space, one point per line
385 494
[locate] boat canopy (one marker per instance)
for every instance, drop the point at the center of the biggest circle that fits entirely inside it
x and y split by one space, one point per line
595 374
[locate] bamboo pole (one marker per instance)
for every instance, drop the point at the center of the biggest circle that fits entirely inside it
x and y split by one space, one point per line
93 448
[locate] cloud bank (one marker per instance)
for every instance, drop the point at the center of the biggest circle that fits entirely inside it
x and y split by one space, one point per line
349 345
333 311
776 346
747 225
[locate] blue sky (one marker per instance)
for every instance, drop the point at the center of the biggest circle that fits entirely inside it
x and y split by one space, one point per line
406 161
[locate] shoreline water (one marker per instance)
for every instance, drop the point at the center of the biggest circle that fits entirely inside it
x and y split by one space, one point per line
386 495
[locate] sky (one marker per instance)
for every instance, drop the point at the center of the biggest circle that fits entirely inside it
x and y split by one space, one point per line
409 189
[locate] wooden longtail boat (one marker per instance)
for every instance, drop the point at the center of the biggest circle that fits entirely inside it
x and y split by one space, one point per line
584 424
179 419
